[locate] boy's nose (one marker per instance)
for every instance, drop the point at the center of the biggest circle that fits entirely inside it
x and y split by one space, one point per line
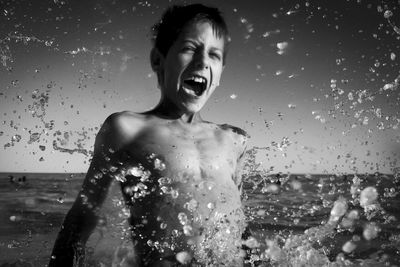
201 61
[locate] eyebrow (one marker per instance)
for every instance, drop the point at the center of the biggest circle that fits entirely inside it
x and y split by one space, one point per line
192 41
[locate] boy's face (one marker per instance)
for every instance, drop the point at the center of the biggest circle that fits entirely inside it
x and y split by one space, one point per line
192 67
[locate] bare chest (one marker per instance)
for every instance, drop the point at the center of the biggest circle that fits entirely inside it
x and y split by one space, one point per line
198 154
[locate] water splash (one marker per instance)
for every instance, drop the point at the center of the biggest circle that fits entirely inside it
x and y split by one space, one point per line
6 56
282 48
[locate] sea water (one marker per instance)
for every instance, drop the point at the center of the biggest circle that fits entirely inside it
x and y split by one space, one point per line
294 220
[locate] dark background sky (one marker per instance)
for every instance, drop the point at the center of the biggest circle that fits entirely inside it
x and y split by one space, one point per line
313 82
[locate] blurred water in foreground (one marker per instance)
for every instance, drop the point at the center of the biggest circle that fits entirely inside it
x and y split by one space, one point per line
295 220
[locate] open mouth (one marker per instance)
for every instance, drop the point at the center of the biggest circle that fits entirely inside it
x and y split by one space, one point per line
195 85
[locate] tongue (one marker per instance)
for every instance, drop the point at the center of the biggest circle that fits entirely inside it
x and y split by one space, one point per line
194 86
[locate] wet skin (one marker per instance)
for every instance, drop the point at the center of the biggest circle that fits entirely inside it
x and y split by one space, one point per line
193 172
179 174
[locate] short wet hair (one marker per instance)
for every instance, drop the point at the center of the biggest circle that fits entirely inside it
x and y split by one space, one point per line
174 20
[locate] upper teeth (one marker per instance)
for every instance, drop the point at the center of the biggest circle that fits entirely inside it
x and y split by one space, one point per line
198 79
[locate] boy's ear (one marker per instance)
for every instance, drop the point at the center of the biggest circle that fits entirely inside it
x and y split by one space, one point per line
156 59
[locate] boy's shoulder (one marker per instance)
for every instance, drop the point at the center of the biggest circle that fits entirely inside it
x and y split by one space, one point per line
239 136
124 121
121 126
236 130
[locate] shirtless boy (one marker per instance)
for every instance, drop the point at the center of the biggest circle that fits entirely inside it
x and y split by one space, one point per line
179 174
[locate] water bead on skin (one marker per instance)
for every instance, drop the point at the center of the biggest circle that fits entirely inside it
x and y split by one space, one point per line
164 181
188 230
159 165
211 206
183 219
174 193
191 205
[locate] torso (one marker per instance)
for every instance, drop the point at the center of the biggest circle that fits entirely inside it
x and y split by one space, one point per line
182 188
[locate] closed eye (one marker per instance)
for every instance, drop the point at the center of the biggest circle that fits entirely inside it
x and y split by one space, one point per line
216 56
188 49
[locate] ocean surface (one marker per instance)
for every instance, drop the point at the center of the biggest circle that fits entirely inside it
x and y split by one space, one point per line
290 219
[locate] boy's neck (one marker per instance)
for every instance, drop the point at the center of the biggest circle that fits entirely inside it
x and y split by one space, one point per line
165 111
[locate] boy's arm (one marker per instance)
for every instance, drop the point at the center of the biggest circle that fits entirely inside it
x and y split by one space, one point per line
82 218
243 139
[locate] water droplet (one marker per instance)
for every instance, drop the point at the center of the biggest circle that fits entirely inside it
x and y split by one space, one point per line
164 181
113 169
159 165
368 196
233 96
271 188
349 247
188 230
175 233
34 137
251 242
183 257
191 205
261 212
388 86
183 219
135 171
365 121
14 83
282 46
371 231
339 209
387 14
16 138
174 193
350 96
15 218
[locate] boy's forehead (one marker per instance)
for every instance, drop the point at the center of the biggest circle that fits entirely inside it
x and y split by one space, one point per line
200 29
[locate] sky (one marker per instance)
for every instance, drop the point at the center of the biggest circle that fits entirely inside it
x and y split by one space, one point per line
314 83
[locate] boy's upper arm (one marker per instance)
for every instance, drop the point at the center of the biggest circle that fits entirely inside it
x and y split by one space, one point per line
243 139
240 143
82 217
105 163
